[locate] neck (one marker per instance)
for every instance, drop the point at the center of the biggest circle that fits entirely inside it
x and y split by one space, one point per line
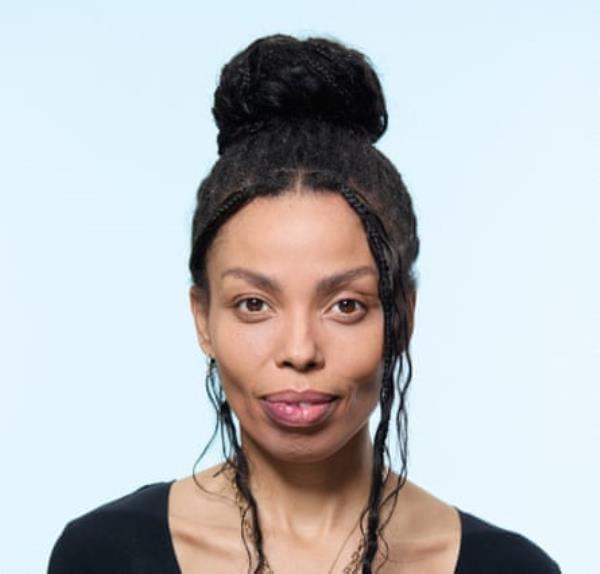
310 499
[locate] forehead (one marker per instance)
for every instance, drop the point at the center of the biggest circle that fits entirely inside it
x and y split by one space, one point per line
311 231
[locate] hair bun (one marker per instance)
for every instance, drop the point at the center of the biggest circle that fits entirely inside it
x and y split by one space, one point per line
281 79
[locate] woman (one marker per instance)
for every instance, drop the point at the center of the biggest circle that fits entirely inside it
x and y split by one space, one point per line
303 245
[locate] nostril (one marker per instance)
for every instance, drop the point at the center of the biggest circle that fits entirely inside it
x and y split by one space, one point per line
300 365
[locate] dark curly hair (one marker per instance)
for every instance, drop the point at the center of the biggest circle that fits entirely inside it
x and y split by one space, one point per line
307 112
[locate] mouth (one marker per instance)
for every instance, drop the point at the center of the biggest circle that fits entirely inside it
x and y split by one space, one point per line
299 409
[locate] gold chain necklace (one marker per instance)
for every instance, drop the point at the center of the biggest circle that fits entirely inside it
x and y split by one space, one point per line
352 567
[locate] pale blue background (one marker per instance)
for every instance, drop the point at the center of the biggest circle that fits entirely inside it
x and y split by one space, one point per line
105 132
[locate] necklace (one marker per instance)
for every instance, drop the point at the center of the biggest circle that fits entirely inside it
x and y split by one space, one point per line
352 567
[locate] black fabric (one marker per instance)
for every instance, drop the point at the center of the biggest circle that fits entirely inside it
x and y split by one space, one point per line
127 536
131 536
487 549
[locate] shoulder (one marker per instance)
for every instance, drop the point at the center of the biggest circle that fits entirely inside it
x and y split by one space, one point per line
129 534
488 548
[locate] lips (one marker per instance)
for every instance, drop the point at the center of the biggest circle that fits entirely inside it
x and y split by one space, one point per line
298 409
300 396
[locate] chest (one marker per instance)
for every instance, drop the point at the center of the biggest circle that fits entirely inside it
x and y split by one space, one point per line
201 549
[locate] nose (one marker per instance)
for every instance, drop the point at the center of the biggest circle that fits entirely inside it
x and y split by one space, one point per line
299 347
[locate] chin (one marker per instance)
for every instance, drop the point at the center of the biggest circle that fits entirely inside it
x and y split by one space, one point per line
302 447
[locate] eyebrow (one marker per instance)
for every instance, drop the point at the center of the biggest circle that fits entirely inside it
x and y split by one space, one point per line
324 286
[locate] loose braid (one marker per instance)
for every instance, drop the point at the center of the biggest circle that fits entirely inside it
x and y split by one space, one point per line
234 458
377 240
233 453
201 243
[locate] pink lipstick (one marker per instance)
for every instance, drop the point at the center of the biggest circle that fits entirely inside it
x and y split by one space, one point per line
298 409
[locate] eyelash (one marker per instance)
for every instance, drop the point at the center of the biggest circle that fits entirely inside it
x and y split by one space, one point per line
360 304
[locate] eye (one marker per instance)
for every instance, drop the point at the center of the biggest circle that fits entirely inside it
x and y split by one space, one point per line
350 307
251 305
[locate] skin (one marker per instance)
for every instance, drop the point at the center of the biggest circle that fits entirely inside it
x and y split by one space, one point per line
271 325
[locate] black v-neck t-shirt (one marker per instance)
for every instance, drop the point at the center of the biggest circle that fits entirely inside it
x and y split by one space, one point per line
131 536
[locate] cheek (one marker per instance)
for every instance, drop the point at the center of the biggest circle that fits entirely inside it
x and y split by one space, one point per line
355 352
242 351
355 355
233 339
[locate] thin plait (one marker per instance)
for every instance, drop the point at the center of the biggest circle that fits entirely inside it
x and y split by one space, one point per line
374 230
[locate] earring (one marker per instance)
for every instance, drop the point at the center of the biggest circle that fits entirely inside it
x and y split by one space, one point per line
210 367
212 383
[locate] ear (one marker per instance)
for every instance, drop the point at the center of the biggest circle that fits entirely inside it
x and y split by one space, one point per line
199 307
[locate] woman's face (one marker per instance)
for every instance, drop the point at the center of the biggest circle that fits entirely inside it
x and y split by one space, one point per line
295 323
